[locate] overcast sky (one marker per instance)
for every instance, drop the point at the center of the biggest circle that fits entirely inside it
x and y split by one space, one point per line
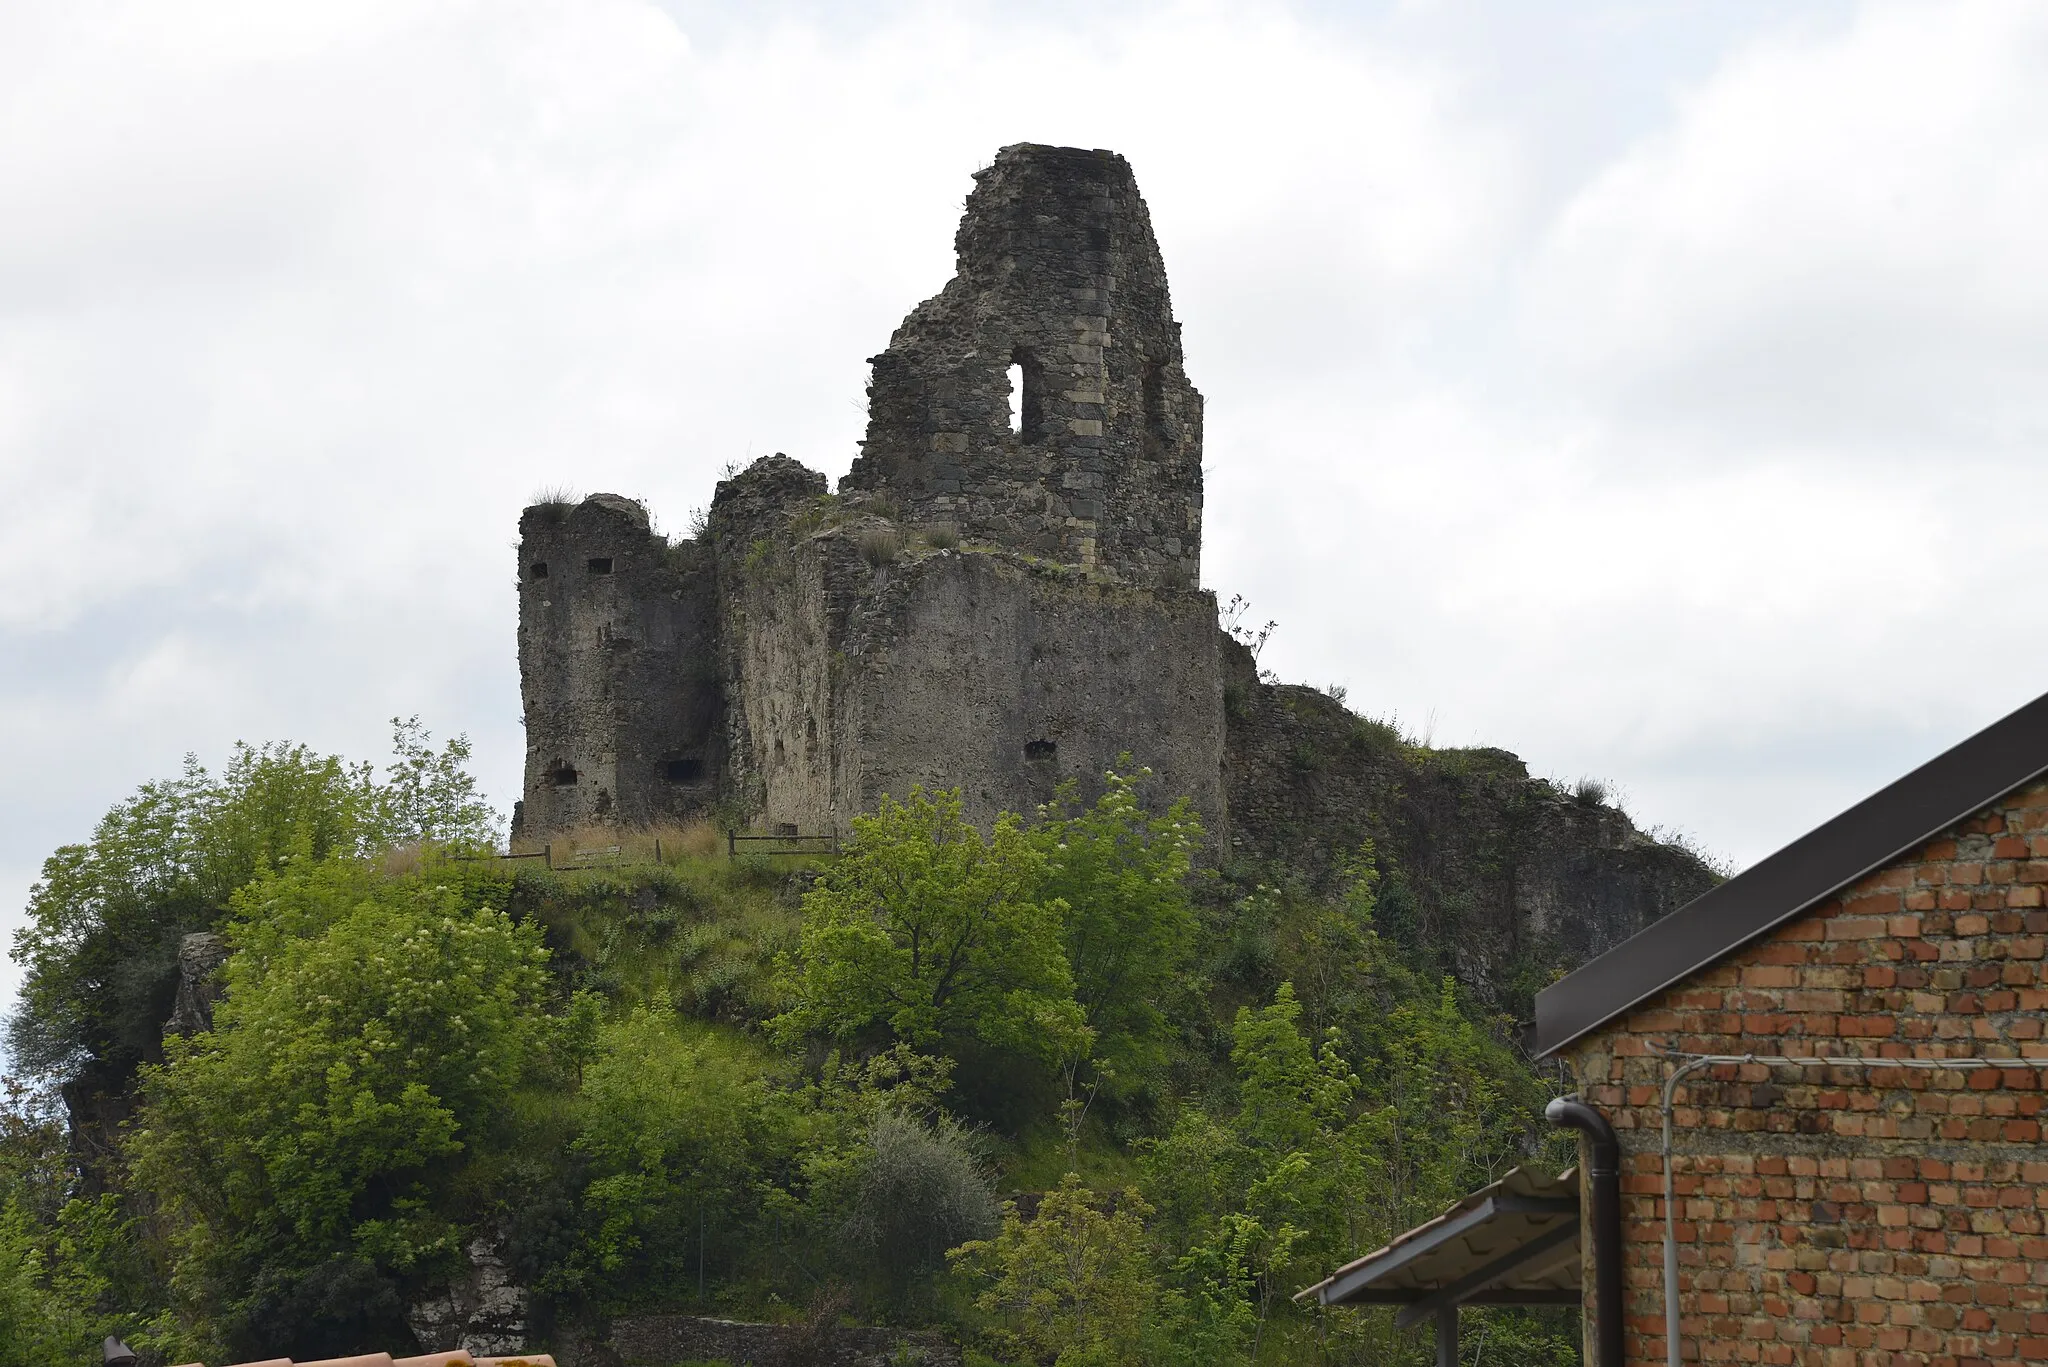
1652 389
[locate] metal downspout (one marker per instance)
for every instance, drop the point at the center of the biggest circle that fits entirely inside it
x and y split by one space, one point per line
1603 1176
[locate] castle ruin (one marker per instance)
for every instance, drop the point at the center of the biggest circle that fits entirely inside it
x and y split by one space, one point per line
984 604
1001 605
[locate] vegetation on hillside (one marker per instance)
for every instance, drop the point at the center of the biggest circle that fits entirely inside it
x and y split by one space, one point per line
1053 1086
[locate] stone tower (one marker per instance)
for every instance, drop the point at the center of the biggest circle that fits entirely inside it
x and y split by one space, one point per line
1060 283
618 668
981 607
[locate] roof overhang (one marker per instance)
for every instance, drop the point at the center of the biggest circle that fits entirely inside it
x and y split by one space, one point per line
1876 831
1515 1242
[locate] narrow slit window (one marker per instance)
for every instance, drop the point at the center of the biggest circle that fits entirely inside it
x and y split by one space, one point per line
1155 399
1027 395
600 564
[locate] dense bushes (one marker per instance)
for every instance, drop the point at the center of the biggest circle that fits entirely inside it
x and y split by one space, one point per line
921 1191
726 1084
372 1032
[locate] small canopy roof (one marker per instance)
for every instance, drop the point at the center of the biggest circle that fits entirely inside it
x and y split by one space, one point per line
1515 1242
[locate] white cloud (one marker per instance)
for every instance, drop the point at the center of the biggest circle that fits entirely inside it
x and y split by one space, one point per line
1836 243
1694 470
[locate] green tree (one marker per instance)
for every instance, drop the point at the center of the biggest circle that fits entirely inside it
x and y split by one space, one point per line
920 1190
104 921
933 934
371 1029
46 1307
428 796
1073 1285
673 1126
1129 927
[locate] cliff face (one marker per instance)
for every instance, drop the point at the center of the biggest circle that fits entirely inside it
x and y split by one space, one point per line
1488 863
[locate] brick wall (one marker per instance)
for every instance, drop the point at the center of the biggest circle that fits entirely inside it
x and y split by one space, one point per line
1853 1216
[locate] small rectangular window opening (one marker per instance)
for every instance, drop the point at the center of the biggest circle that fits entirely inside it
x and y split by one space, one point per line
786 829
600 564
561 774
539 570
684 770
1027 395
1041 749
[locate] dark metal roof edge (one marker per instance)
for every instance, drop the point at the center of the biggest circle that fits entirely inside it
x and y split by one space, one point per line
1488 1276
1397 1255
1899 817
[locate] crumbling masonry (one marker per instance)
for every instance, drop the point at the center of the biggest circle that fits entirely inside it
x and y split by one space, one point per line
985 605
993 605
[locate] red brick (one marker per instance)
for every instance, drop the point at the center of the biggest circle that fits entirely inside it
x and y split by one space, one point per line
1879 1251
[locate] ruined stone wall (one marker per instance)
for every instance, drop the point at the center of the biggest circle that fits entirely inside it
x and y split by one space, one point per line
775 654
864 660
1059 274
1004 678
1852 1215
618 669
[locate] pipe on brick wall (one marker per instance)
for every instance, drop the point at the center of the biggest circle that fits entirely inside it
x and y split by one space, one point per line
1603 1185
1690 1062
1671 1354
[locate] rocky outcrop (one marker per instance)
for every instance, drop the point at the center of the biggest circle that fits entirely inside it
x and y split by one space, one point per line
482 1310
200 957
1488 864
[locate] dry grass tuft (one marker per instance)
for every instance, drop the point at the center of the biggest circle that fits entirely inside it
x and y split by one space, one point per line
697 839
880 546
597 845
401 860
